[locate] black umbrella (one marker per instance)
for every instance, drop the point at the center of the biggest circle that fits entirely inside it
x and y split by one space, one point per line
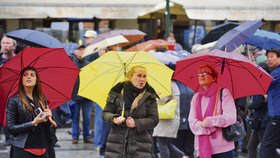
35 38
218 31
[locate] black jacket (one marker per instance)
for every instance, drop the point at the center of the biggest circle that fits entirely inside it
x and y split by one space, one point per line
19 123
126 142
80 63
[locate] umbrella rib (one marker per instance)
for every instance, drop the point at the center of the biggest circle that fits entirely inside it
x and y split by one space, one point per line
37 58
159 83
55 89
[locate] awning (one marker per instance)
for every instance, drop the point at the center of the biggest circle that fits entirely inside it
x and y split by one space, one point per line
104 9
239 10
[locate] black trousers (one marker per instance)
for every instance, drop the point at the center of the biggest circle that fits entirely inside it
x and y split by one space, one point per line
185 141
271 138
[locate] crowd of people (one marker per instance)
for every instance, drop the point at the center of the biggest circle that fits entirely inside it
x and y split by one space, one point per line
129 125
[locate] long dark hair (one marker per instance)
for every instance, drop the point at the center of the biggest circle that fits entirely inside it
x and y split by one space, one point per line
37 91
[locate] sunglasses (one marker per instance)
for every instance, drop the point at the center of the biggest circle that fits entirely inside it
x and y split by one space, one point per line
202 74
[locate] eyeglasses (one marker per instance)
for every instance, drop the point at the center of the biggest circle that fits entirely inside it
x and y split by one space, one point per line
202 74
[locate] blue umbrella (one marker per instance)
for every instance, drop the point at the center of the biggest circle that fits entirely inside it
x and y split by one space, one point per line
70 47
263 42
268 34
235 37
35 38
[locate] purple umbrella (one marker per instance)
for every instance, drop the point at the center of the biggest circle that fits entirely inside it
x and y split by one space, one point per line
235 37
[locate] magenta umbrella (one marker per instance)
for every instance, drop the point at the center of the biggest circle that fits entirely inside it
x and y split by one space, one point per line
235 72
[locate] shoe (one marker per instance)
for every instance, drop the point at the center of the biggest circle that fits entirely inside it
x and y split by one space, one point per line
74 141
57 145
88 141
244 150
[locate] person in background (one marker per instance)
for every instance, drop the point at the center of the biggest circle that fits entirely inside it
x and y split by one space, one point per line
8 46
171 39
258 119
185 137
28 123
208 115
271 137
131 109
166 130
89 36
81 102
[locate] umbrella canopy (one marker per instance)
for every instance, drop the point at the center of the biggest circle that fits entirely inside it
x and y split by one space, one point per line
35 38
268 34
218 31
235 37
132 35
103 41
98 77
150 45
235 72
263 42
57 73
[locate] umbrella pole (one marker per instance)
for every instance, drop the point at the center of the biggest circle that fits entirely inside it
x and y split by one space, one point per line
248 53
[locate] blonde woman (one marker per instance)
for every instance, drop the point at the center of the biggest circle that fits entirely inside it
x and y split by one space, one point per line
131 109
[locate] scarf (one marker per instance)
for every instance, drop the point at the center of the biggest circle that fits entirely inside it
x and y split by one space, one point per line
130 93
203 140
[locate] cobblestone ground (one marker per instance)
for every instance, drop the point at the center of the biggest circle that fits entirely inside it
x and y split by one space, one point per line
67 149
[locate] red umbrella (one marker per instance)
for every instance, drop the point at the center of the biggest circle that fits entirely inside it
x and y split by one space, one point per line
57 73
235 71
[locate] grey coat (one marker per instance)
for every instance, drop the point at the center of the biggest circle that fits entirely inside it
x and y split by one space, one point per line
126 142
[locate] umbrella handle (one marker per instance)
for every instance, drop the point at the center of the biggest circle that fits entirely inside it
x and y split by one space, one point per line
52 122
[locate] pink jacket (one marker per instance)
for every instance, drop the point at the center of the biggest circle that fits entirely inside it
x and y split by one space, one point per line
224 117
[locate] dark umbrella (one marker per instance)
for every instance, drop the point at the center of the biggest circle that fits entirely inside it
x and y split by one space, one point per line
216 32
237 36
35 38
57 74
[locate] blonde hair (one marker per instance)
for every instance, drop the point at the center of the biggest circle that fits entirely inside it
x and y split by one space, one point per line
131 71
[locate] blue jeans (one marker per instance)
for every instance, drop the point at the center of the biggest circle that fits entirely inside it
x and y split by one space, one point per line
86 106
101 128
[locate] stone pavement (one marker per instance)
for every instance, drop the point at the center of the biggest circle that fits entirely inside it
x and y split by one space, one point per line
67 149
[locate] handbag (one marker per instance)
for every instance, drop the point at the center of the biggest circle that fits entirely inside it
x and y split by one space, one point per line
235 131
167 108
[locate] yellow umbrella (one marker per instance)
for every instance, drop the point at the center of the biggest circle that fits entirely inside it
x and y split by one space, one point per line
98 77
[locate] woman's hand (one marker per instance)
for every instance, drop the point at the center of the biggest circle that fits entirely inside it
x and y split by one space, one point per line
48 112
42 117
130 123
119 120
203 124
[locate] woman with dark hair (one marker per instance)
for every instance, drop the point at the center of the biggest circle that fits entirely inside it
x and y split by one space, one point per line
208 115
28 119
131 109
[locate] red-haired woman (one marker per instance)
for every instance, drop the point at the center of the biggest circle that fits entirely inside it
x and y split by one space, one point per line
208 115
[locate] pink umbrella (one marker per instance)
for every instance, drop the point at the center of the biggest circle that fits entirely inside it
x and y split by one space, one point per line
235 71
